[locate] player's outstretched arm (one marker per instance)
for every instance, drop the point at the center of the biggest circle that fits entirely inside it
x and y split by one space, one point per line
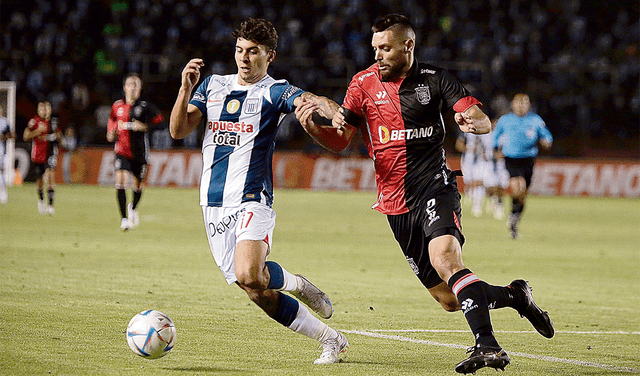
473 120
185 117
333 136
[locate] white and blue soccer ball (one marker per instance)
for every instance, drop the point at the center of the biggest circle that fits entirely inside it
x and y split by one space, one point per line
151 334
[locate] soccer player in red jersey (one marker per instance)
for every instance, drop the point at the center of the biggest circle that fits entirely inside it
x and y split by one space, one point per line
45 135
128 127
398 104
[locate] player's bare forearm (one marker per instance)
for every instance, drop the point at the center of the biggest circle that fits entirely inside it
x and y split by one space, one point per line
332 138
183 120
179 125
326 107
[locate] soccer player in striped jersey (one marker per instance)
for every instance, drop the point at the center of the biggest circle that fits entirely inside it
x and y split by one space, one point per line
398 104
5 134
241 114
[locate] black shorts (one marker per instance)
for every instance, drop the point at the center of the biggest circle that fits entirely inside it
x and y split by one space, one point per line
520 167
438 214
40 168
137 167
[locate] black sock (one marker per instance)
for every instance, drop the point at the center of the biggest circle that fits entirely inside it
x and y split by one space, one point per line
517 206
498 296
122 202
472 297
136 198
50 193
41 194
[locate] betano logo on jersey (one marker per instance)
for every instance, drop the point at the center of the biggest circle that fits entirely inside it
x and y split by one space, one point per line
385 135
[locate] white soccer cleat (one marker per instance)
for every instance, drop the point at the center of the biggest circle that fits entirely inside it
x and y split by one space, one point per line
313 297
42 207
134 219
4 198
498 213
125 225
331 349
51 210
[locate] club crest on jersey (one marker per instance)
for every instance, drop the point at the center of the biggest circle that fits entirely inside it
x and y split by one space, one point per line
233 106
423 94
251 106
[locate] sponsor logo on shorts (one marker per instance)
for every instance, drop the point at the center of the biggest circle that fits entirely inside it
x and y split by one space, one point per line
225 224
413 265
431 211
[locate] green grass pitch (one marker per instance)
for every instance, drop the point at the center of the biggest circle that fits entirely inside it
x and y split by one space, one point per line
69 284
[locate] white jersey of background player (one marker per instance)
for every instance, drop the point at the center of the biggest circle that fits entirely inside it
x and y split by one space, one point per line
472 163
5 134
495 178
241 113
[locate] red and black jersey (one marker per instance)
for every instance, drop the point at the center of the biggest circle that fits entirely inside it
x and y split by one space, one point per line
403 129
132 144
45 145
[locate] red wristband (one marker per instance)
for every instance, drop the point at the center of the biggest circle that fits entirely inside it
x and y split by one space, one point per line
463 104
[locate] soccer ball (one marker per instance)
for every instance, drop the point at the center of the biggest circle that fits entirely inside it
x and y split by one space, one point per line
151 334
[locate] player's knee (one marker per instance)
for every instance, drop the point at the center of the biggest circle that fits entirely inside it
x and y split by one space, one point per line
449 302
450 306
250 280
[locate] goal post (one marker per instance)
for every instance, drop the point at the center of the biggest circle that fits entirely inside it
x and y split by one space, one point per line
8 102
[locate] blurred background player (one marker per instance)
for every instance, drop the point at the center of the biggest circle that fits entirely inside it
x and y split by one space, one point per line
128 127
473 165
242 114
45 135
416 190
518 133
5 134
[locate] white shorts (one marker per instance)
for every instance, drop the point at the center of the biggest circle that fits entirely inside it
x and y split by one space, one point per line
496 174
471 169
226 226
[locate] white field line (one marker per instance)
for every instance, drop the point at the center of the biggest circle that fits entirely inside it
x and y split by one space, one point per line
496 331
525 355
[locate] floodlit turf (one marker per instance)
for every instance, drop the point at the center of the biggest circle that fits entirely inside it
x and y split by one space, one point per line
70 283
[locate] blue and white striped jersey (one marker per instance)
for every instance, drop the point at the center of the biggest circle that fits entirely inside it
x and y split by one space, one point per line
4 129
239 138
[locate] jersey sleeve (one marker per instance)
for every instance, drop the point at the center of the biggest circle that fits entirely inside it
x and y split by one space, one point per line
283 95
543 131
199 98
112 124
454 94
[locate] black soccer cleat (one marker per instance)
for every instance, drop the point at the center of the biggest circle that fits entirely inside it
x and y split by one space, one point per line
483 356
529 309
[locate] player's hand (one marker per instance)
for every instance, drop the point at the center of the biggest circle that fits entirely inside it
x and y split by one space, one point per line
304 113
465 122
191 73
338 120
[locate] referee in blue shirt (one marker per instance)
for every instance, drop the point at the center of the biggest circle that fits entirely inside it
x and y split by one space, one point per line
517 134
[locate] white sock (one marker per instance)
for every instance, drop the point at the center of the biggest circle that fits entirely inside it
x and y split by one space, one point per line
290 281
309 325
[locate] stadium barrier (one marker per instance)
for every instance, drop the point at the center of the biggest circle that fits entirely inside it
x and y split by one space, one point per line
181 168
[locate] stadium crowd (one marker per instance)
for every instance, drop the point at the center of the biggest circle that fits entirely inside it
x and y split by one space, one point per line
578 60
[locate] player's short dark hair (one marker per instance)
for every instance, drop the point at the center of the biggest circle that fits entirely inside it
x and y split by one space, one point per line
385 22
132 74
258 30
